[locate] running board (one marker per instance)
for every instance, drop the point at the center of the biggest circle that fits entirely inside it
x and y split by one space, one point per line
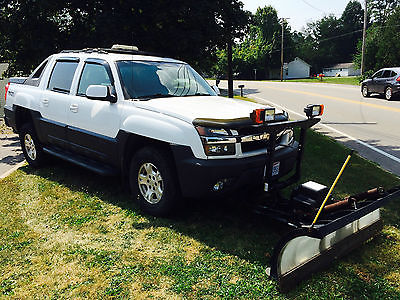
94 166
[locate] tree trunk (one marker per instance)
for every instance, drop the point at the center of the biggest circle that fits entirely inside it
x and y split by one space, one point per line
230 74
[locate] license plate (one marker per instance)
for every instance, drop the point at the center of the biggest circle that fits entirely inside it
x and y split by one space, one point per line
275 168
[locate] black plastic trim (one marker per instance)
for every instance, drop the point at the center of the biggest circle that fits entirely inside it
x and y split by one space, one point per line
9 118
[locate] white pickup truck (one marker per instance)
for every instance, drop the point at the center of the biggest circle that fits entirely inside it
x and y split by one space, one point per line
154 121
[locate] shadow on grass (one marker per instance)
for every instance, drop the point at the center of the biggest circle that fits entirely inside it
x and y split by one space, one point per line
224 224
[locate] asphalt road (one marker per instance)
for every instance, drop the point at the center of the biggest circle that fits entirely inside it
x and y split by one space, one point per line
371 126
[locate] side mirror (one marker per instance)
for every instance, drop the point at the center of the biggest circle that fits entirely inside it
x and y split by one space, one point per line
100 92
216 89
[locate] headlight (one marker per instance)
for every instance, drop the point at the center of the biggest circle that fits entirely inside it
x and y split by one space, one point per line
217 141
219 149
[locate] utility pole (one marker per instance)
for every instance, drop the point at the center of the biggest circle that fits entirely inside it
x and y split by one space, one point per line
283 21
363 40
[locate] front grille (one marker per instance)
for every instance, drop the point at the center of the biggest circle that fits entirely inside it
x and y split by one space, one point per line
253 146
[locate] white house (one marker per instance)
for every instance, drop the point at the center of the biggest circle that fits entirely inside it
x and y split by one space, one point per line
343 69
297 68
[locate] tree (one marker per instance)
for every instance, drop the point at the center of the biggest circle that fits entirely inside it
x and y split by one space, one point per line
183 29
232 22
380 10
260 47
352 24
382 44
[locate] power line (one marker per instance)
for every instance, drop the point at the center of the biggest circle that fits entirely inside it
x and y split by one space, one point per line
310 5
337 36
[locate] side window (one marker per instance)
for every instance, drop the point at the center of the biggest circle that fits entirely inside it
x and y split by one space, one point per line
93 74
62 75
34 78
392 74
377 74
386 74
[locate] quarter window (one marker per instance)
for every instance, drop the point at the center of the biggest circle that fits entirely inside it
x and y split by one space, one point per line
93 74
62 75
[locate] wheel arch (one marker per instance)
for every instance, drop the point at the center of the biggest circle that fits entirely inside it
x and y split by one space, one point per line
22 115
136 142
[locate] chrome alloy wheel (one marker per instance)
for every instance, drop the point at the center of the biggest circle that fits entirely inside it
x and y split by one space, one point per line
150 183
365 91
388 93
30 146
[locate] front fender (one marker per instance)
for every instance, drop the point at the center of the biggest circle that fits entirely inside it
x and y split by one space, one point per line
165 129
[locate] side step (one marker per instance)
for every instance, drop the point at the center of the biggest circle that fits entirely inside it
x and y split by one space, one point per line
82 161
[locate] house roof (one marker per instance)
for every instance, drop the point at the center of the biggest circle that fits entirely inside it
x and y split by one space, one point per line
298 58
341 66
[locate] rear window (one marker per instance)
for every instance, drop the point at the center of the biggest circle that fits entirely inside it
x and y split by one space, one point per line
34 78
62 75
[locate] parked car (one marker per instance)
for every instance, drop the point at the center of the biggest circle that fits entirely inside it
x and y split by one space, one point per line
385 82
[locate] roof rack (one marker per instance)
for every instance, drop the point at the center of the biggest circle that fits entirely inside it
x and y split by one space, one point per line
119 49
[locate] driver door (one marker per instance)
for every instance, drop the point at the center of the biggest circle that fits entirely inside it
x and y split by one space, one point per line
94 124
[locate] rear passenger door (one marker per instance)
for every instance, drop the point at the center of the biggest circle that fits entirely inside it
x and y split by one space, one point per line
383 81
54 102
94 124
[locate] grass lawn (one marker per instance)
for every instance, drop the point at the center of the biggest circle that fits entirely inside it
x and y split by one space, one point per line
67 233
336 80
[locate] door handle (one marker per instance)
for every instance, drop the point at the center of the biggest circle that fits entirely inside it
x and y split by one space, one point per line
73 108
45 102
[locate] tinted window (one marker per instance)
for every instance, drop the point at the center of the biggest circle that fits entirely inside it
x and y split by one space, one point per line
386 74
38 72
62 75
377 74
34 78
93 74
392 74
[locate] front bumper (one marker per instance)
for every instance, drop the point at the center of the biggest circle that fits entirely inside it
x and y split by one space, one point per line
197 177
396 89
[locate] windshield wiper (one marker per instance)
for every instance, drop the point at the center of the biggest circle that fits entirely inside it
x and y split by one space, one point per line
197 94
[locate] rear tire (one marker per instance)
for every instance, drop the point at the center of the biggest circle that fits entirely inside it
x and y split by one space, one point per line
388 93
365 92
31 146
152 180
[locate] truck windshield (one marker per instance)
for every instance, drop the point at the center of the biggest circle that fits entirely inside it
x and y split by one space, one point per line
148 79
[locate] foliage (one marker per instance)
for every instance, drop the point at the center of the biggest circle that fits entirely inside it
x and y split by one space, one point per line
260 48
332 40
382 43
189 30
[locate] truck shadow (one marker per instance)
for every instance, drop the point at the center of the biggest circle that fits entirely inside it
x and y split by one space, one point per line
222 224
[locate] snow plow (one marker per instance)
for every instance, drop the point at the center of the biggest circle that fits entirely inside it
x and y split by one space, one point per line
321 228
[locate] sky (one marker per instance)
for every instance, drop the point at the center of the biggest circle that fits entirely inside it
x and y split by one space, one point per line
300 12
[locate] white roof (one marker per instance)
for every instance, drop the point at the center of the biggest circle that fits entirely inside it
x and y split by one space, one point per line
116 56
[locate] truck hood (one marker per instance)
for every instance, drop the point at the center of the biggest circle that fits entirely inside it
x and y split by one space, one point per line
204 107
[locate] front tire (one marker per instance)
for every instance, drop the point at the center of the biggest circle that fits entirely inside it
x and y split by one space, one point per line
31 146
365 91
152 180
388 93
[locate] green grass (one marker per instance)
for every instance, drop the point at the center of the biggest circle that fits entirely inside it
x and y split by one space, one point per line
353 80
67 233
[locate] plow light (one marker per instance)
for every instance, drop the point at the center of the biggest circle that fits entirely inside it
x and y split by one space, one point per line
262 115
312 110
